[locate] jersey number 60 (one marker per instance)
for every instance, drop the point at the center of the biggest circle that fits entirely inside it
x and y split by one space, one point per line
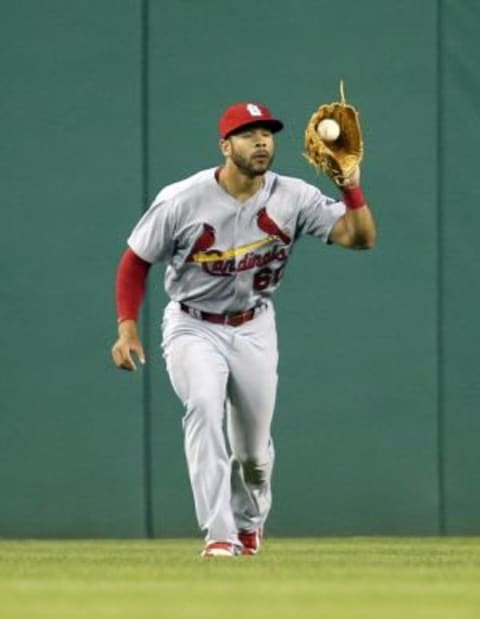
267 277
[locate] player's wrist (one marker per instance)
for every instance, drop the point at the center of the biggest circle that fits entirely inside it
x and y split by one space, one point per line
353 197
127 327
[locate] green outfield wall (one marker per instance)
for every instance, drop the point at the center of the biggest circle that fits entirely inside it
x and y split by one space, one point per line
103 103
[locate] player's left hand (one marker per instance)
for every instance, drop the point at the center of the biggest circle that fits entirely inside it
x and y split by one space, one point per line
340 156
352 180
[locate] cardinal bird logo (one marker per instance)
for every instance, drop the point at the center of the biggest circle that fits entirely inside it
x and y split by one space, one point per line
266 223
204 241
203 252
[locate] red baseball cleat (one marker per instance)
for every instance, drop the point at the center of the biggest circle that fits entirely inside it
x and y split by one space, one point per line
251 541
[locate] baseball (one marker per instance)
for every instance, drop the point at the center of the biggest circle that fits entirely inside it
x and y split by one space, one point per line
328 129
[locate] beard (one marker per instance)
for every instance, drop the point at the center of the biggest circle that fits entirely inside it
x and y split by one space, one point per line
250 166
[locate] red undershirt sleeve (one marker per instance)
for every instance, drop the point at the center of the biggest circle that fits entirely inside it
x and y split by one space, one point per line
130 285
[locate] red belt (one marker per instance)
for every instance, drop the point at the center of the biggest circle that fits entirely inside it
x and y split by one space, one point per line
233 320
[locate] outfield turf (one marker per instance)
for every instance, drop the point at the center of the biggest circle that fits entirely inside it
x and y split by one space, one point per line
291 579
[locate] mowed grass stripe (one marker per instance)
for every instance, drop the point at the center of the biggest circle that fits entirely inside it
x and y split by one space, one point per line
290 579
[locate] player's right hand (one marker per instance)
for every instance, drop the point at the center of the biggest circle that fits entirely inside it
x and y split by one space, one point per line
127 345
122 353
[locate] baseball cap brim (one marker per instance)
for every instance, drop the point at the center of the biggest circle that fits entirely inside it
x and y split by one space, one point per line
274 126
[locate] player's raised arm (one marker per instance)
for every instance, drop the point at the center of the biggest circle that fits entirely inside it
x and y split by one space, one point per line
130 289
356 229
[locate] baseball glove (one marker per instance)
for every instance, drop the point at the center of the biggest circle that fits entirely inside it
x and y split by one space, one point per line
337 158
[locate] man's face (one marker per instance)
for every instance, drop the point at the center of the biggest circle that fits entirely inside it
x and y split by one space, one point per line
251 150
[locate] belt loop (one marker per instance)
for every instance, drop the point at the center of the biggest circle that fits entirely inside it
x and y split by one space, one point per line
191 311
196 313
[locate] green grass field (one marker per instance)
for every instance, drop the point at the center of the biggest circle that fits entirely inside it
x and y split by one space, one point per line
369 578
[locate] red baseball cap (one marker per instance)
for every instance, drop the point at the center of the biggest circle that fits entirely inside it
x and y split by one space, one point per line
242 114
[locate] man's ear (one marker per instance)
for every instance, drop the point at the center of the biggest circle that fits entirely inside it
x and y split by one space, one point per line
225 147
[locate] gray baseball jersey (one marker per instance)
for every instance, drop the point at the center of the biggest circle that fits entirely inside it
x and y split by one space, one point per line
223 255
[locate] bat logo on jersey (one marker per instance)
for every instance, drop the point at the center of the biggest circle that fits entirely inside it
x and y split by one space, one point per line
223 263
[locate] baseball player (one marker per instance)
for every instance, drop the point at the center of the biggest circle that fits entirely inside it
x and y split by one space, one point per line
226 235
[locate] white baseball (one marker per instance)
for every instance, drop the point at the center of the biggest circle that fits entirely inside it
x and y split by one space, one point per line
328 129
